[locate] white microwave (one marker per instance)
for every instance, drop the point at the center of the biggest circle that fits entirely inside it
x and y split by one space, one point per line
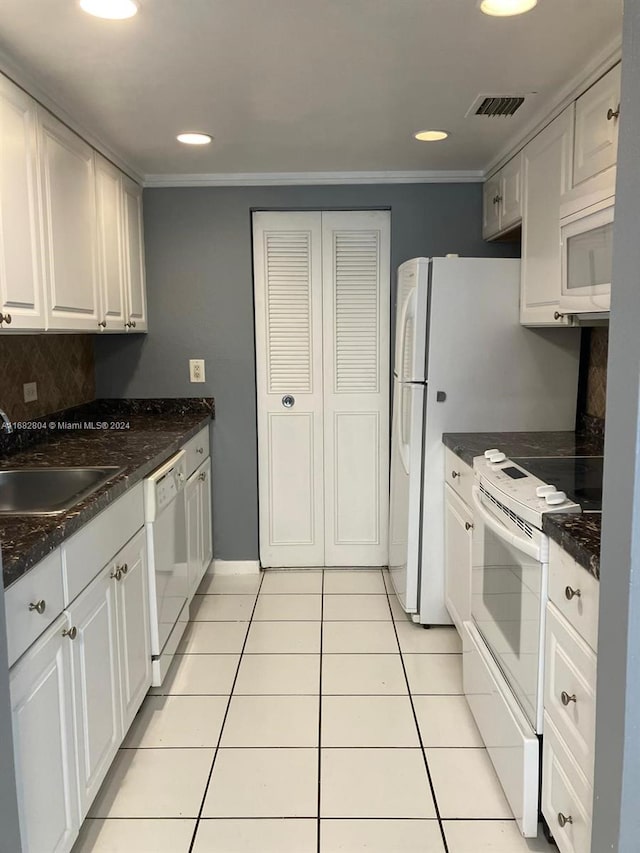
587 258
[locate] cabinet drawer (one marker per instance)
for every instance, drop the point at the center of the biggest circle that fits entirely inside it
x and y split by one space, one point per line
568 578
565 792
197 450
458 475
41 584
570 688
85 553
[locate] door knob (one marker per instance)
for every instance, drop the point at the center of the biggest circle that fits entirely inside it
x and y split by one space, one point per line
288 401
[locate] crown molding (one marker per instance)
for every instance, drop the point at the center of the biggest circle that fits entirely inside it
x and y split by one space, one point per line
31 85
596 68
282 179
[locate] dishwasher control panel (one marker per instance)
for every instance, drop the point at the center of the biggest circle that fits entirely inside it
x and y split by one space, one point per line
163 485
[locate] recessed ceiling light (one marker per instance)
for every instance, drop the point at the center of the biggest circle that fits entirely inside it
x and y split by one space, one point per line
115 10
431 135
192 138
505 8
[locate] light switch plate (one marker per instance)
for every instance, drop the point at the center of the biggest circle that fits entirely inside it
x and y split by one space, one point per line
30 392
196 369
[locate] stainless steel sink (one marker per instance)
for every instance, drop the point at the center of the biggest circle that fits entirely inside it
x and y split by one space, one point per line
48 491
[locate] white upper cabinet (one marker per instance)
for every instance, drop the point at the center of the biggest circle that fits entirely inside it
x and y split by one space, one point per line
21 288
110 239
133 242
69 218
502 199
597 120
547 163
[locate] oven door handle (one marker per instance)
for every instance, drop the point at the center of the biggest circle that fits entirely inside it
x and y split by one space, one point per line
500 530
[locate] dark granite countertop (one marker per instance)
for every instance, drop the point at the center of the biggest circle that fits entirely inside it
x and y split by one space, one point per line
466 445
157 429
578 535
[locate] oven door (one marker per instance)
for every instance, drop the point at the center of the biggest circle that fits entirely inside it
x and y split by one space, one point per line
508 597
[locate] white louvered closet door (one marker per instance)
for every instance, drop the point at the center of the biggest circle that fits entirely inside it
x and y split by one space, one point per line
322 338
356 296
287 249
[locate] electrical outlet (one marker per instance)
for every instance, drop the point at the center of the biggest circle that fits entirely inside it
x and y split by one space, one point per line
30 392
196 369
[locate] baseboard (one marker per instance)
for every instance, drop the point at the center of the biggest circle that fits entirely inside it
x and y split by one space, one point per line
234 567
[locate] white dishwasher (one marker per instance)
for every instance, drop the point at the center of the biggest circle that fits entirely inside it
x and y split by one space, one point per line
165 517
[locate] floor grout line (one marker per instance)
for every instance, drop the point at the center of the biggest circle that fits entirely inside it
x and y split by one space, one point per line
319 806
224 720
415 719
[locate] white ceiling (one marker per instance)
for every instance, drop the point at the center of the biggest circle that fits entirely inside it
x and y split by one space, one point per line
302 85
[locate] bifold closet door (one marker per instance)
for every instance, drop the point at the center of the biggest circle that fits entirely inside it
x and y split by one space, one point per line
287 250
322 359
355 250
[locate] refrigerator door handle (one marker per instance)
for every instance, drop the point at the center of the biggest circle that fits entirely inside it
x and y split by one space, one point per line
400 368
402 445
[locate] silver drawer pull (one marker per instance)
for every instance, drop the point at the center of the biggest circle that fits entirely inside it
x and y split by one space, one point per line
38 606
468 525
72 633
564 820
117 574
570 593
567 699
455 474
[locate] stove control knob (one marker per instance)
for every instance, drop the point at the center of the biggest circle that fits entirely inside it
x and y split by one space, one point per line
543 491
555 498
489 453
497 457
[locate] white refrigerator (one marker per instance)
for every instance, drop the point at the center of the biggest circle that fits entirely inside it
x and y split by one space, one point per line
463 363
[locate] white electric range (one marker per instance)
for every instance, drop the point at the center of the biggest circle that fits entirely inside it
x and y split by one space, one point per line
503 661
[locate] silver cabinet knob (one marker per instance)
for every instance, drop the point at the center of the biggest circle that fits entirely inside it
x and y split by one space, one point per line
455 474
130 325
611 114
567 699
558 316
124 568
5 318
102 324
288 401
200 450
72 633
564 820
570 593
117 575
38 606
202 475
468 525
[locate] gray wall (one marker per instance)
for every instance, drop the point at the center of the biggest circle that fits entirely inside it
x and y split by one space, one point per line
616 807
200 297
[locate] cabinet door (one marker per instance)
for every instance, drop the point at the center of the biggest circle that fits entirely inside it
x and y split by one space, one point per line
69 216
21 287
206 525
44 743
458 524
110 236
194 535
134 256
511 193
96 683
547 176
596 139
134 644
491 207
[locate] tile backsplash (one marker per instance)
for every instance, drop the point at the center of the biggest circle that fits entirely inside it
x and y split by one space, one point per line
62 366
596 391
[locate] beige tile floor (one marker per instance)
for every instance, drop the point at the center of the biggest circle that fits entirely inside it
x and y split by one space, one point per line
305 714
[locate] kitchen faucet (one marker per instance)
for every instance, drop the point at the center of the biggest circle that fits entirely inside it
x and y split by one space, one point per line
7 423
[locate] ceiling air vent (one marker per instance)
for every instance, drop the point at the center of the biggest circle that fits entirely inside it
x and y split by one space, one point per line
495 105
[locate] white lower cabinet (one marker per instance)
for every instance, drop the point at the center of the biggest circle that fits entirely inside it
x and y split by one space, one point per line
458 526
134 644
74 694
199 524
96 688
45 742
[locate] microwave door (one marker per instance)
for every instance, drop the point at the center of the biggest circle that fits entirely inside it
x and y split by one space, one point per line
587 260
